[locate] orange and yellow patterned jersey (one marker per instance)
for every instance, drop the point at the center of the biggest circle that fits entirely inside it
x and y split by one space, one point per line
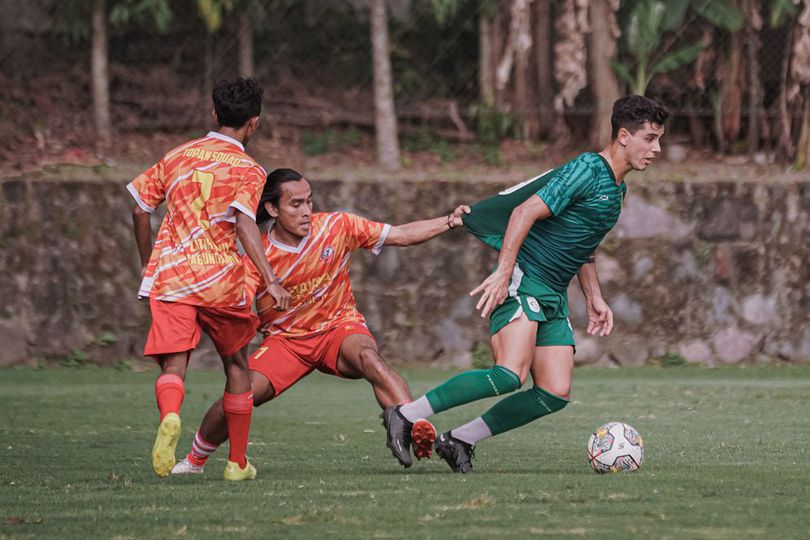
316 273
204 183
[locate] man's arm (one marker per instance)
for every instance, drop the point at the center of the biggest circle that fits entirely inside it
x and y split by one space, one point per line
142 225
600 316
251 240
417 232
494 288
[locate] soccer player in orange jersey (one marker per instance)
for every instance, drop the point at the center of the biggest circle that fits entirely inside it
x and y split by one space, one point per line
193 275
322 329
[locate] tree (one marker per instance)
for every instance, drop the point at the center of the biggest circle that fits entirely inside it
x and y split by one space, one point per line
100 78
385 116
603 49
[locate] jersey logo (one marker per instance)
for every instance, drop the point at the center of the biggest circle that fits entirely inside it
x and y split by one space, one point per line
533 304
604 198
327 253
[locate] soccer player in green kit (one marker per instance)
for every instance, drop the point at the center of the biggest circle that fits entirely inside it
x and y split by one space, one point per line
546 230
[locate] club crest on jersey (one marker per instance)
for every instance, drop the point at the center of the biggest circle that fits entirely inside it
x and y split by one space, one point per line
327 253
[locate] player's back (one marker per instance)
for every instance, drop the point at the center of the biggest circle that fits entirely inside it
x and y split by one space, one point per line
204 183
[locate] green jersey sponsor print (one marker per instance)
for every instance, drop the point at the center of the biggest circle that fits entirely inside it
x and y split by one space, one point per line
585 203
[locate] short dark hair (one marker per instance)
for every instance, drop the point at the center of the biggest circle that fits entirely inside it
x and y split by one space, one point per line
632 112
236 102
272 191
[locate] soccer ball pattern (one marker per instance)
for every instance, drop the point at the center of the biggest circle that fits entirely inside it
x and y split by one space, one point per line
615 447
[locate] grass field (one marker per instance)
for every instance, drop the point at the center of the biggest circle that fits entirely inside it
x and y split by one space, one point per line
728 456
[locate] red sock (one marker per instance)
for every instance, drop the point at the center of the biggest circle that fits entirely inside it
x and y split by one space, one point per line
238 411
169 392
200 450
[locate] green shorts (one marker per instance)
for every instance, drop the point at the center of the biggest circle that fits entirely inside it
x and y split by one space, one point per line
554 328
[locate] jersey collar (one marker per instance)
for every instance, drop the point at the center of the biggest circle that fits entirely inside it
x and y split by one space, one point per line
285 247
221 137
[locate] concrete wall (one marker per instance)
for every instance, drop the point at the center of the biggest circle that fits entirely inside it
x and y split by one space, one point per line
707 272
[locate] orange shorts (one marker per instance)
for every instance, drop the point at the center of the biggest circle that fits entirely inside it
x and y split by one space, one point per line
177 327
285 360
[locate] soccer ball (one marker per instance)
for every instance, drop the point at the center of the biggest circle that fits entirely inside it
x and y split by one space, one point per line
615 447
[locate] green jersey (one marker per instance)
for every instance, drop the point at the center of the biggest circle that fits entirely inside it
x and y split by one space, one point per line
585 203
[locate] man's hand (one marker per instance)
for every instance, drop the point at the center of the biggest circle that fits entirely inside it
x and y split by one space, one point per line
280 295
600 317
455 218
495 288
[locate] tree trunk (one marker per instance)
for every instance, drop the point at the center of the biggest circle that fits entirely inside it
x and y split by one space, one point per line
522 47
785 147
100 76
385 118
605 85
246 59
497 43
731 90
803 148
542 55
486 79
755 96
208 74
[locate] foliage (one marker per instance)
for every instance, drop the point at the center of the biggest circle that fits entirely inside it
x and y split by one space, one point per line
425 139
212 12
482 356
781 11
318 142
645 22
124 12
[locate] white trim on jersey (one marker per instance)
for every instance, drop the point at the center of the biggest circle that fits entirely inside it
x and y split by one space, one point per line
381 242
230 215
221 137
146 287
184 176
134 192
182 292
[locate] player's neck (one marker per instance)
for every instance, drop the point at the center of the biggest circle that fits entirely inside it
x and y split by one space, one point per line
282 236
618 164
233 133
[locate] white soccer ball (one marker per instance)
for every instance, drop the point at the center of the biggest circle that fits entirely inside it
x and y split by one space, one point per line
615 447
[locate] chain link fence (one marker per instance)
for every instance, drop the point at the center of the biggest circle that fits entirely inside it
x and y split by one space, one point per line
314 58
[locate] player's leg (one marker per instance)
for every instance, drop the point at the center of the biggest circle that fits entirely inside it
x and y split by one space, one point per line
172 336
512 345
359 358
274 367
551 369
214 428
231 329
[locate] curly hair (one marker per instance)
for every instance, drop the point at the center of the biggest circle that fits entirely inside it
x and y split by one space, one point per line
632 112
236 102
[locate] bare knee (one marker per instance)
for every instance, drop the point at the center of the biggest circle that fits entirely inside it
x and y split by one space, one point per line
558 388
372 366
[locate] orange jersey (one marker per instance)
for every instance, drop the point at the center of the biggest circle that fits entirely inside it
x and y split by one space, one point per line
316 273
204 183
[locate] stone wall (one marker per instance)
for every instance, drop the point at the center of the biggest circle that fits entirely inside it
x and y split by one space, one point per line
711 273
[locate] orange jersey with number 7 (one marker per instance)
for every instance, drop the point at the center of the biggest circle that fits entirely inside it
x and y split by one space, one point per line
316 273
204 183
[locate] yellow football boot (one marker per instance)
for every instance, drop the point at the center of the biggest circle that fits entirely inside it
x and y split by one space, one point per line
165 444
235 473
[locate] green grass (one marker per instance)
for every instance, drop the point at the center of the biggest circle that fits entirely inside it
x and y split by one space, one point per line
728 456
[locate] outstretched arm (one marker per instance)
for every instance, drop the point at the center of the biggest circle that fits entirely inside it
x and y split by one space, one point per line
417 232
250 238
494 288
600 316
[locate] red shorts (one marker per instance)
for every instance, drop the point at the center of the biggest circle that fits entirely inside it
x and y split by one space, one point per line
177 327
285 360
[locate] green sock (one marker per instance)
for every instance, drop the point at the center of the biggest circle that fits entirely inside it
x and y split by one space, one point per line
520 409
471 386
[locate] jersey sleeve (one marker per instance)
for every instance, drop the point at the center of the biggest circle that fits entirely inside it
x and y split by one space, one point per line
572 182
149 188
247 195
366 234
